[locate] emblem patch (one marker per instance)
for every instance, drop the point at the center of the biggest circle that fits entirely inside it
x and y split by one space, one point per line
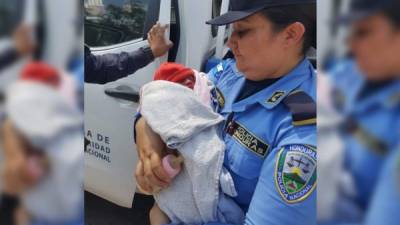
295 172
276 96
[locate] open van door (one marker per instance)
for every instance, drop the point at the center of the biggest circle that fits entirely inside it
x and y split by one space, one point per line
222 34
113 26
13 13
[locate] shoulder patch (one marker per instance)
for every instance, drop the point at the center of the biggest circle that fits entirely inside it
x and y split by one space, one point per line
302 107
296 172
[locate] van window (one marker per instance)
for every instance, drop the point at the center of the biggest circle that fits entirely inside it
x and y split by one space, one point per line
10 15
109 22
216 11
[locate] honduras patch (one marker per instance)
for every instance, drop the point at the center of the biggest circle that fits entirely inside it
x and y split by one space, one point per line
296 172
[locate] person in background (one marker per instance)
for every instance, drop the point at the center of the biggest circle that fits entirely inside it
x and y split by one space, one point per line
24 45
42 142
101 69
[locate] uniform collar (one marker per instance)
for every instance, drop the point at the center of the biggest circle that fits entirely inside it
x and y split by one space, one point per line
387 97
272 95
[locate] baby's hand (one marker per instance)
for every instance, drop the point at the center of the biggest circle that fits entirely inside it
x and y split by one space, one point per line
158 217
172 164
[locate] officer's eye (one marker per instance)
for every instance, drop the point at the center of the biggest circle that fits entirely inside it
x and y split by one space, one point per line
242 33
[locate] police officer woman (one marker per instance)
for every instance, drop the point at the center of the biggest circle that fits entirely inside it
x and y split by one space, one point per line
267 96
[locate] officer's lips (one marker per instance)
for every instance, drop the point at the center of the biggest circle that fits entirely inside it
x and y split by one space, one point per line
237 55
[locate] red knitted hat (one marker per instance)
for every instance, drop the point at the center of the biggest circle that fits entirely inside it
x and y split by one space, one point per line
173 72
41 72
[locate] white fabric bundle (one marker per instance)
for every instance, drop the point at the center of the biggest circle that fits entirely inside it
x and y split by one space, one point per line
185 123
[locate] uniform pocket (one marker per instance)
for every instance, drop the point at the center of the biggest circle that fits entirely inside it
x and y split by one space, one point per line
241 160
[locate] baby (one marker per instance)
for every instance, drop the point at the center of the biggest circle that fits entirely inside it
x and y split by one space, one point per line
40 151
192 127
36 164
179 74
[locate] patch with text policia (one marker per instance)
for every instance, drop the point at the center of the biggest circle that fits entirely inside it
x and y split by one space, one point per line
247 139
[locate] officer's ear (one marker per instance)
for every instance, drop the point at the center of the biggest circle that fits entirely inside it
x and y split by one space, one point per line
293 35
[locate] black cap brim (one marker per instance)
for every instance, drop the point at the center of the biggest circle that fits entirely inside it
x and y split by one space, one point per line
232 16
354 16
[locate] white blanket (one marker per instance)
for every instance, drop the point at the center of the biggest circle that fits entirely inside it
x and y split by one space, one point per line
186 124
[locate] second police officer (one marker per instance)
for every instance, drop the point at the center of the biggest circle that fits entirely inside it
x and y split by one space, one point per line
366 92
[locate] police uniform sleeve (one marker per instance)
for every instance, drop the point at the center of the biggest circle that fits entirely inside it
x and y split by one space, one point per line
283 194
385 205
101 69
285 191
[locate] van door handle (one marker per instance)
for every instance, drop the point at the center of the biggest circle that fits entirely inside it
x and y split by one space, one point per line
123 92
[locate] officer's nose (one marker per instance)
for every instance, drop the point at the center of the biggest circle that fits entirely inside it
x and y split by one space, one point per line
353 44
232 42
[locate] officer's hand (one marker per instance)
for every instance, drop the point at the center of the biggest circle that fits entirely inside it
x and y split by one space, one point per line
150 174
13 174
24 43
158 44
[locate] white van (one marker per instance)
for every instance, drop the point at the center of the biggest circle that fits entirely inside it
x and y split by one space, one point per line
113 26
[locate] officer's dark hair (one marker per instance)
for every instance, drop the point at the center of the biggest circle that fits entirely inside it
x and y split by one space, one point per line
392 13
282 16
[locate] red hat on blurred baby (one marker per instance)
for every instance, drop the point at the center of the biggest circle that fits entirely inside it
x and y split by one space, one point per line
42 73
173 72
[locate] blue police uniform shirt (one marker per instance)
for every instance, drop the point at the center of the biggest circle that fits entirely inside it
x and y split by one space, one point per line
385 203
270 140
370 130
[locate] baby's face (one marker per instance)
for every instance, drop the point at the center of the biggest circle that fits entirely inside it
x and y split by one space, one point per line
188 82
